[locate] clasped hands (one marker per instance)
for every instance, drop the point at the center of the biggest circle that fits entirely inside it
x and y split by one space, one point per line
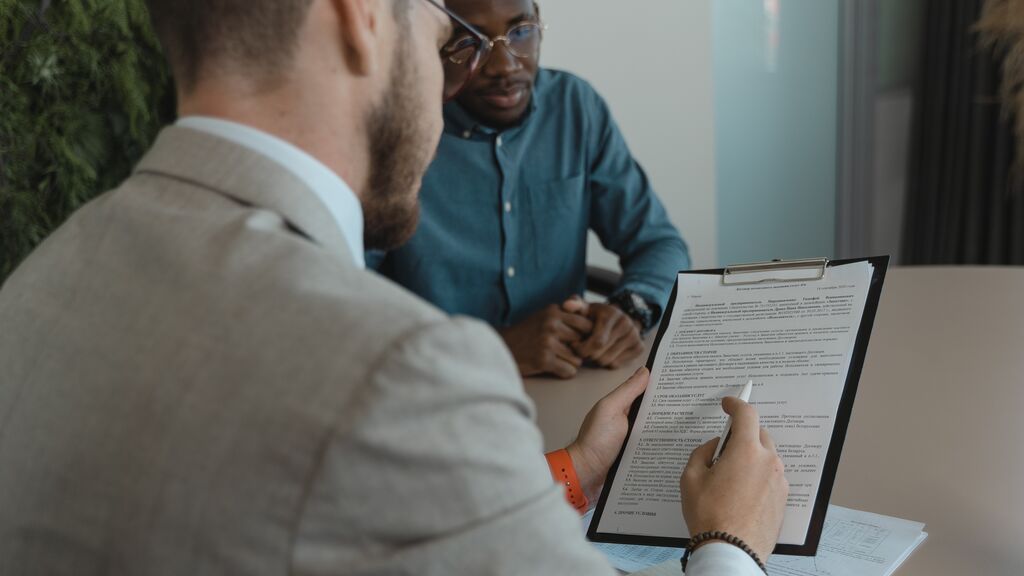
559 339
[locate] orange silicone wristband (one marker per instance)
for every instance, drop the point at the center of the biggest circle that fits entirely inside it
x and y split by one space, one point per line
564 473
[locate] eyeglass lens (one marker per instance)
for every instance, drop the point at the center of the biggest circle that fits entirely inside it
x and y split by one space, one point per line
465 53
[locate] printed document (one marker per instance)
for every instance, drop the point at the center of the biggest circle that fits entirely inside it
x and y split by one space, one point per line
631 559
795 341
853 543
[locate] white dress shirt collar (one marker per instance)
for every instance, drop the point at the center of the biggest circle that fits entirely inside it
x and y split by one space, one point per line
340 200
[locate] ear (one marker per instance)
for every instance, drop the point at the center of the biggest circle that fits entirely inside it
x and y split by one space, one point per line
536 12
359 26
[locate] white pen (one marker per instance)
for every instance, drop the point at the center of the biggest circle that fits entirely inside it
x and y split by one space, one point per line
745 396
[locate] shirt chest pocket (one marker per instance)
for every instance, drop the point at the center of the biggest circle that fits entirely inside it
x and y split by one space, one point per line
557 197
558 216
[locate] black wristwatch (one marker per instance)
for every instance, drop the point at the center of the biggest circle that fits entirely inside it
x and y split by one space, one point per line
636 308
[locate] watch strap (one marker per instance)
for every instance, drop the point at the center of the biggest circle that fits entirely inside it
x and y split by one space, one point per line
564 473
637 308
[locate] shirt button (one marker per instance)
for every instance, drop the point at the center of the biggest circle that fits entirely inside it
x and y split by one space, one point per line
499 141
467 134
508 206
511 272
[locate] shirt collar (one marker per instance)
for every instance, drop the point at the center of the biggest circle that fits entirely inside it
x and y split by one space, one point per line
340 201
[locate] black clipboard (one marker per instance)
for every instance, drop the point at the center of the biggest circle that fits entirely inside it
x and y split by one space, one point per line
842 422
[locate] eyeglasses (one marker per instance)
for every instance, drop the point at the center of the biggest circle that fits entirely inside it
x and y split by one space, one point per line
521 40
469 49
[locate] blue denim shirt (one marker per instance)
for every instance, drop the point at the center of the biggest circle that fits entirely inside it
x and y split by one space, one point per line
504 215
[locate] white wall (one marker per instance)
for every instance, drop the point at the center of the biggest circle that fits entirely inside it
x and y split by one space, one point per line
651 61
893 117
776 106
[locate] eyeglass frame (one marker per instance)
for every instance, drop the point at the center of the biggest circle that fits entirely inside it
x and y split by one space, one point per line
472 31
482 53
487 47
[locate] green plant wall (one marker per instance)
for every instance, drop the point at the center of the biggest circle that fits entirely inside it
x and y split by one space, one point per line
83 91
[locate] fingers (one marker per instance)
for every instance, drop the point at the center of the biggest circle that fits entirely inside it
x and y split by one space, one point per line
601 336
576 305
767 441
700 459
581 324
561 368
627 392
745 427
566 326
564 353
565 333
626 338
626 356
622 337
608 358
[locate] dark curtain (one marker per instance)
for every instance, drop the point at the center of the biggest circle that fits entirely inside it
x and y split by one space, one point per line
964 206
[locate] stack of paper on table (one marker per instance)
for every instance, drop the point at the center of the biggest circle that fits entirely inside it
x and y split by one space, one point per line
853 544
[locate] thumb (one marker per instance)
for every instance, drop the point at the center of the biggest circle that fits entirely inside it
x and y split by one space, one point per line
623 396
745 422
576 305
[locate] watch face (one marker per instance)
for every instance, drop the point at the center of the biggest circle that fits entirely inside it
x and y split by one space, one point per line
639 302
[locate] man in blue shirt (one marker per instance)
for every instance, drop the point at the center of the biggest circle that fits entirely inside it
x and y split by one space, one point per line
529 161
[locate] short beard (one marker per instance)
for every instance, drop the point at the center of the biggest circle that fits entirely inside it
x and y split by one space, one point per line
399 155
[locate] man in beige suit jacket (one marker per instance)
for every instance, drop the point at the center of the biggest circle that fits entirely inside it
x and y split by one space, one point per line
198 377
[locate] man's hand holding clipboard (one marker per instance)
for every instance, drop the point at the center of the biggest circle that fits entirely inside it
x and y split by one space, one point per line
744 492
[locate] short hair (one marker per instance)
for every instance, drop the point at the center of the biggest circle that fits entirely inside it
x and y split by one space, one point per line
256 36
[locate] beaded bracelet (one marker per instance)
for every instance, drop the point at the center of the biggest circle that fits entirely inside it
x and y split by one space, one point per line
703 537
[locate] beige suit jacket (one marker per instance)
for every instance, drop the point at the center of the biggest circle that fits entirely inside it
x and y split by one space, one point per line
195 379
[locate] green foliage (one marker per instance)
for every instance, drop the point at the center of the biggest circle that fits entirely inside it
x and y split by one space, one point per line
83 91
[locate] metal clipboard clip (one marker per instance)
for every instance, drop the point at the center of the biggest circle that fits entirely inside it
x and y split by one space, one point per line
808 269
